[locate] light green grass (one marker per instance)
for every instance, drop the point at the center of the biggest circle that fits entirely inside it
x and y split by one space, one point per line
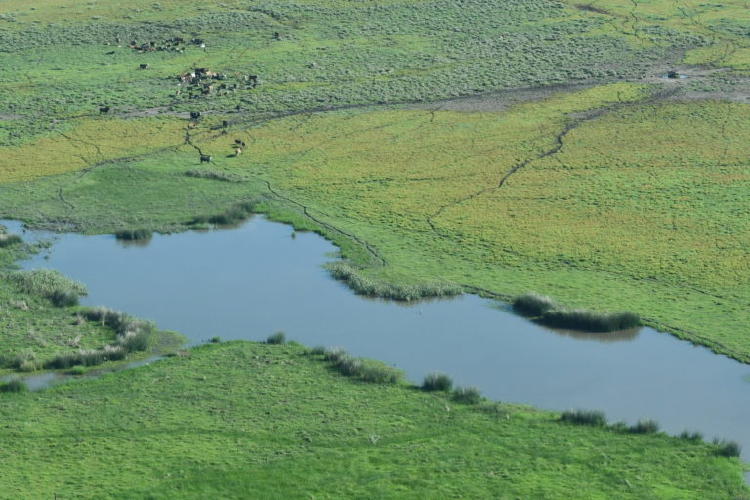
242 418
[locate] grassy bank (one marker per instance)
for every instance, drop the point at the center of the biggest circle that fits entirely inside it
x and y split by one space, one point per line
272 419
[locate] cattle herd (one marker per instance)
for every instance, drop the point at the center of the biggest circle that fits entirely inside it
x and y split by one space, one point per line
198 81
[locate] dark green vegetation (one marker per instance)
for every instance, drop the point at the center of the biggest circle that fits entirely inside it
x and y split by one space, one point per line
134 235
584 417
546 311
277 338
366 370
437 382
237 417
467 395
593 418
14 385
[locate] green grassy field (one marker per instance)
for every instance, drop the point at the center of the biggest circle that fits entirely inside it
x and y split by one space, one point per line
239 419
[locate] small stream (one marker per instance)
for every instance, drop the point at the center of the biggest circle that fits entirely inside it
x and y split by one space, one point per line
253 280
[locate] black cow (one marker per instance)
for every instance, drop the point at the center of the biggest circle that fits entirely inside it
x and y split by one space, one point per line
195 115
104 109
144 66
205 158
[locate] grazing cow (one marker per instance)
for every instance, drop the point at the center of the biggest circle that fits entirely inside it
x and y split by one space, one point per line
205 158
104 109
225 123
673 74
144 66
195 115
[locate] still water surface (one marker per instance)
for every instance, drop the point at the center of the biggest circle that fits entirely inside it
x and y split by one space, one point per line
248 282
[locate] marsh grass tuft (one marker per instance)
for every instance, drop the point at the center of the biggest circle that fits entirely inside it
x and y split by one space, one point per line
362 285
277 338
318 350
593 418
52 285
467 395
133 335
7 240
533 304
591 321
728 449
134 235
233 215
363 369
644 427
548 312
14 385
691 436
437 382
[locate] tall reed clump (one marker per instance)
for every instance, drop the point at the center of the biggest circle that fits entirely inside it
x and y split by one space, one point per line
52 285
727 448
134 235
546 311
133 335
7 240
233 215
24 361
14 385
277 338
363 369
591 321
584 417
362 285
533 304
437 382
644 427
467 395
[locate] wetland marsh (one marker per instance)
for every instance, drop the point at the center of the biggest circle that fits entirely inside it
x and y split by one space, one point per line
248 282
596 153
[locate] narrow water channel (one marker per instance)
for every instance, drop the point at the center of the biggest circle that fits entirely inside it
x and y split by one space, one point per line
248 282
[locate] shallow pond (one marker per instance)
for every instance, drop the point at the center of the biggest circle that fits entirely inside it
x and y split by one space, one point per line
251 281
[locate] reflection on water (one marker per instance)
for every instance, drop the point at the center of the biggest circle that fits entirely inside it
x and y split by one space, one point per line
251 281
618 336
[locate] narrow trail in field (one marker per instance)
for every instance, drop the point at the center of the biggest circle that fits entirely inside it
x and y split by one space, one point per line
306 211
62 199
559 138
559 142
